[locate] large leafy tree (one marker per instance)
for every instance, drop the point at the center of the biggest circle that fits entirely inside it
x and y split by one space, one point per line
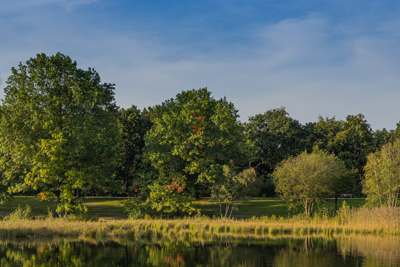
326 130
353 145
58 127
351 140
308 177
133 125
381 137
395 134
277 136
382 176
193 136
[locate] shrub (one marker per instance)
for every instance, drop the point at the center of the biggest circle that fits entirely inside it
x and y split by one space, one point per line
135 214
21 214
132 207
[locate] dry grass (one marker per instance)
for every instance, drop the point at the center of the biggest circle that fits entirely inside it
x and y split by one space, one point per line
360 221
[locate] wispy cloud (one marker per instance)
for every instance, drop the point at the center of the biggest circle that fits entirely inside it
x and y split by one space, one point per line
18 5
311 64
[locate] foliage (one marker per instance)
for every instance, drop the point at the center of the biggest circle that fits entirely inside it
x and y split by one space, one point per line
354 143
135 214
233 187
21 213
133 208
381 137
133 125
344 213
382 176
277 136
351 141
169 194
58 128
307 177
193 136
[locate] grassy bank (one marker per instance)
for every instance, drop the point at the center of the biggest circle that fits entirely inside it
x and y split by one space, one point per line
363 221
113 207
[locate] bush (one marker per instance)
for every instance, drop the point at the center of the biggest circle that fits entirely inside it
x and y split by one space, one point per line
20 214
344 213
135 214
132 207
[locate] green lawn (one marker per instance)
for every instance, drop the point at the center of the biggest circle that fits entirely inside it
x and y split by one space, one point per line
113 207
102 207
270 206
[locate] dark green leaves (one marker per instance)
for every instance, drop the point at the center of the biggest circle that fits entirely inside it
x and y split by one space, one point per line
58 123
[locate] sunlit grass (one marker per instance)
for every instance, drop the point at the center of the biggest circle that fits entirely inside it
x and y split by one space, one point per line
363 221
113 207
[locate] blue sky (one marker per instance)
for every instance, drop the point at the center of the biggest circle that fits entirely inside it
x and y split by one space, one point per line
329 58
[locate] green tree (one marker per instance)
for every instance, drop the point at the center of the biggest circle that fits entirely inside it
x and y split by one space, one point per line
326 129
58 124
354 143
351 140
381 137
133 125
233 187
395 134
382 176
194 136
341 182
277 136
307 177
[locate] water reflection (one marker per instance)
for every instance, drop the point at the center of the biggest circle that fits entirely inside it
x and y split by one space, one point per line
221 251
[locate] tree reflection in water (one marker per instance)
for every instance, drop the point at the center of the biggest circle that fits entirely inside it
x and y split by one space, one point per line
224 251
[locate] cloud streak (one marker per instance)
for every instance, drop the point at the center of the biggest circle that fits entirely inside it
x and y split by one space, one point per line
312 65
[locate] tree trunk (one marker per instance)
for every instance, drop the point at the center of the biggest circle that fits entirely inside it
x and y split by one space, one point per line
177 213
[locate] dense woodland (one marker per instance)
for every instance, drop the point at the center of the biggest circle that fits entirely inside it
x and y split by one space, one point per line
63 135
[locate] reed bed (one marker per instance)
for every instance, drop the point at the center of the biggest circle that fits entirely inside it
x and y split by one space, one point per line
362 221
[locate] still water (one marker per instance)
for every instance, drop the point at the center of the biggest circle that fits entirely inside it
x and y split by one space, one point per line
368 251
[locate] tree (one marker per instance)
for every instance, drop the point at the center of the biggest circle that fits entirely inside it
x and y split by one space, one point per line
194 136
382 176
326 129
341 182
277 137
351 141
354 143
307 177
381 137
58 124
233 187
133 125
394 134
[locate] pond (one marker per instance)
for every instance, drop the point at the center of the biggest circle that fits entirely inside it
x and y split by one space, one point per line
218 251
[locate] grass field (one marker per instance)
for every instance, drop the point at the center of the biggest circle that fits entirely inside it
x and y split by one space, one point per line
113 207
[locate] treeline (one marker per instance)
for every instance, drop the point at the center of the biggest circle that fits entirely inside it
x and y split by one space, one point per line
62 135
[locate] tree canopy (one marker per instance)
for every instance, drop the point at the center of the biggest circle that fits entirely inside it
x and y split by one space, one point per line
308 177
277 136
193 136
133 125
58 128
382 176
61 133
